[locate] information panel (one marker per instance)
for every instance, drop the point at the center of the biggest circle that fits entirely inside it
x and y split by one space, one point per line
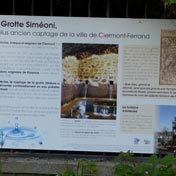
88 84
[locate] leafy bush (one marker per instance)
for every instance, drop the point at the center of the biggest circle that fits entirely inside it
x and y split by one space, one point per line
153 166
126 165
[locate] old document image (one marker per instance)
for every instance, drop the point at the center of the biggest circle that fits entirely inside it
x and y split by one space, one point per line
168 57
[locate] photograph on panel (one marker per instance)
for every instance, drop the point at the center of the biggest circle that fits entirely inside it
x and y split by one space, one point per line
166 129
168 57
89 81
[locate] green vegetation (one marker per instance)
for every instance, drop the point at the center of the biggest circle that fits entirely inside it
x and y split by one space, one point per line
168 2
126 165
153 166
84 168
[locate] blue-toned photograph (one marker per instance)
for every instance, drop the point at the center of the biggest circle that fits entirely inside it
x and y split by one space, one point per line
166 129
